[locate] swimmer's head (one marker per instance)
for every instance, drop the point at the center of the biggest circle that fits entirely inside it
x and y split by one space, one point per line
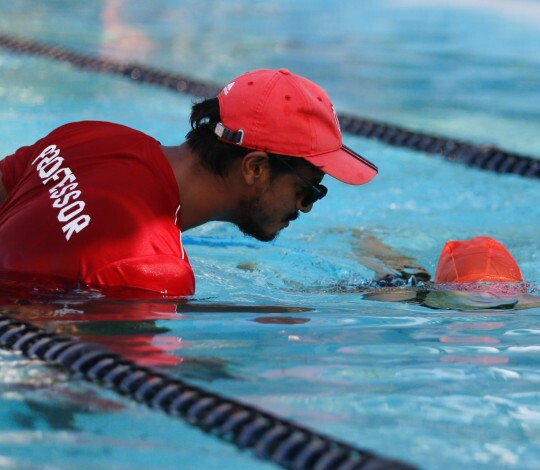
480 259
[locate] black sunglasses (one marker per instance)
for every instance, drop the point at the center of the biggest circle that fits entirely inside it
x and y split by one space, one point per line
317 191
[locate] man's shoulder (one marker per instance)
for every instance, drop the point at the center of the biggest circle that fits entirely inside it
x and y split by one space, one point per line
96 128
91 137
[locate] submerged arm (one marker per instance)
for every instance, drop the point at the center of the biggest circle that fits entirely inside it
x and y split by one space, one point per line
528 301
382 259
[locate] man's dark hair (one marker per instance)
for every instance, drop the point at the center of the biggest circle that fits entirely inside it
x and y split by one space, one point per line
215 155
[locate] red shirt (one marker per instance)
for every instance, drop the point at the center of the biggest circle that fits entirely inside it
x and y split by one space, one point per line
95 203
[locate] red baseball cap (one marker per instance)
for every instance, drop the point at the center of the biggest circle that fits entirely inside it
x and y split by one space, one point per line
476 260
276 111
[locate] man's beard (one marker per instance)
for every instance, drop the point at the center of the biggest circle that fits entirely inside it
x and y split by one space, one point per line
254 220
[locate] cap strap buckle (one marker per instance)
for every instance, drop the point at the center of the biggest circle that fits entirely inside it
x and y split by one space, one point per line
235 137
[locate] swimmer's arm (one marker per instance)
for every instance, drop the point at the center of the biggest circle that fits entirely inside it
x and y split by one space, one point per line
527 301
383 260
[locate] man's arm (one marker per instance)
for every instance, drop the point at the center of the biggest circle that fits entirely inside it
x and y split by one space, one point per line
3 190
12 168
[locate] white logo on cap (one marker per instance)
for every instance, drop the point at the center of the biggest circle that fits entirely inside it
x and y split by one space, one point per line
336 118
228 88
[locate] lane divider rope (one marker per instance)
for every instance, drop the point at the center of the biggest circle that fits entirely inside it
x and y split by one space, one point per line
486 157
269 437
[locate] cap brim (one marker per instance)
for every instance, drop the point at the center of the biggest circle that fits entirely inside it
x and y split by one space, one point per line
345 165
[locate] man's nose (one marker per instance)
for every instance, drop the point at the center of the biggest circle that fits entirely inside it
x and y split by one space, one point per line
303 207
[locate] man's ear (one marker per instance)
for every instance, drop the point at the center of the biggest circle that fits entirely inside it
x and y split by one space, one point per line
255 166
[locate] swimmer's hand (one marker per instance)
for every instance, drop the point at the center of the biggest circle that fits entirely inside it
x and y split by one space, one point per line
384 261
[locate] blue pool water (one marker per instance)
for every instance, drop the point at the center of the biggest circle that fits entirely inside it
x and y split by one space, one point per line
281 325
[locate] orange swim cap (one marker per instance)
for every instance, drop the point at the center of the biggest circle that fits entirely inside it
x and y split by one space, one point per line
475 260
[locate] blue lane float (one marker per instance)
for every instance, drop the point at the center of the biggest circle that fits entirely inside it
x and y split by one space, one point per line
268 437
486 157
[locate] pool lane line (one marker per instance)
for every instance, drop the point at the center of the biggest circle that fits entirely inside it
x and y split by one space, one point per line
269 437
486 157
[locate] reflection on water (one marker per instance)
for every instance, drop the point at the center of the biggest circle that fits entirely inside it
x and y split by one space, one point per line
137 328
361 365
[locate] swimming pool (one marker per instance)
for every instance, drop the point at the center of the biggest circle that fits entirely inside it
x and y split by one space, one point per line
269 324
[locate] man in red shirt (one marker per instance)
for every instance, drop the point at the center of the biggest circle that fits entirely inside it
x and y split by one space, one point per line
97 204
